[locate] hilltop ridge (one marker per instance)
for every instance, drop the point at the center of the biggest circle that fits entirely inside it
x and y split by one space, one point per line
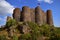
30 24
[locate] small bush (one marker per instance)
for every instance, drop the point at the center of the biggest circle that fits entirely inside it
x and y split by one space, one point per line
15 37
11 22
2 37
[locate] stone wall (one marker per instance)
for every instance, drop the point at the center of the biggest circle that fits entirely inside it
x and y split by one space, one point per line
44 17
32 14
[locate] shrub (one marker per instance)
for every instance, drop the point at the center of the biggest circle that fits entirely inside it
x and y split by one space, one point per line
25 37
15 37
10 22
35 33
2 37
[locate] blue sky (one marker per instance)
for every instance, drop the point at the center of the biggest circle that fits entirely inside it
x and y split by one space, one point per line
7 6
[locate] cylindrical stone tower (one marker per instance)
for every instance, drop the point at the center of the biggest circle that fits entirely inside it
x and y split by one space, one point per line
38 16
26 14
49 18
16 14
32 15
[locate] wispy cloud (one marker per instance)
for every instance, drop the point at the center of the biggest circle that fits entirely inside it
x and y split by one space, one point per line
47 1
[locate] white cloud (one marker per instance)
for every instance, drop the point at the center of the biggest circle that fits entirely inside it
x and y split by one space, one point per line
5 7
47 1
1 0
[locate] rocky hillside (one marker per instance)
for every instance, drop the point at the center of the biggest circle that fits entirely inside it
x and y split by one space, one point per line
14 30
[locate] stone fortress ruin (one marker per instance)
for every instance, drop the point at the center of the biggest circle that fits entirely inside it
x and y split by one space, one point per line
36 15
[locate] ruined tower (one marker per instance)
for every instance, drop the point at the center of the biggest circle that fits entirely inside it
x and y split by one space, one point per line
32 15
16 14
8 18
38 16
49 17
26 14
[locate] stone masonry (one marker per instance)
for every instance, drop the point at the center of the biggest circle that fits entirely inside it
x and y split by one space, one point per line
16 14
49 17
36 15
